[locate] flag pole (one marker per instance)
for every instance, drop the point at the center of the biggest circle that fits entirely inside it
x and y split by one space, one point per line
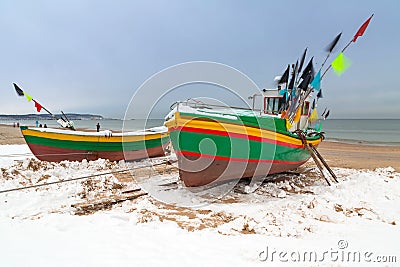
65 116
54 116
296 79
302 95
67 123
325 61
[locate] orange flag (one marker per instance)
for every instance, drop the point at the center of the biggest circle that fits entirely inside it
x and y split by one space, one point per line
298 114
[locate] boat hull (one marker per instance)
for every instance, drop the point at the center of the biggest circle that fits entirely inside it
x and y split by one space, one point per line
215 149
54 154
73 146
220 170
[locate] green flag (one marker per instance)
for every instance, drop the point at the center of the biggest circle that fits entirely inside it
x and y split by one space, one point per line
28 97
340 64
319 127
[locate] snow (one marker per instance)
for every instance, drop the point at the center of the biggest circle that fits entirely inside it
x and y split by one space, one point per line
300 214
10 153
227 113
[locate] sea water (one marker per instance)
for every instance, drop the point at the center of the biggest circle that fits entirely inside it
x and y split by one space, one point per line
369 131
105 124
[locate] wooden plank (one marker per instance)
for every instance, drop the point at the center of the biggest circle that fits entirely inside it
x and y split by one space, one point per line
324 162
105 203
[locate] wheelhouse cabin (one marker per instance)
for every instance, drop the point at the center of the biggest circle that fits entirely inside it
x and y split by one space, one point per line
274 103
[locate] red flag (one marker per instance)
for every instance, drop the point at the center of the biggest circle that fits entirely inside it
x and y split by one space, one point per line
362 29
37 106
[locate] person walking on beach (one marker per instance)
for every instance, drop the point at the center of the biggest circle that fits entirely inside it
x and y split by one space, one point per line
98 127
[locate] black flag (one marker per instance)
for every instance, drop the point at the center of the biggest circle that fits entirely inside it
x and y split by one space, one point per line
323 113
291 83
326 115
313 105
308 69
302 60
305 82
319 95
332 45
18 90
285 76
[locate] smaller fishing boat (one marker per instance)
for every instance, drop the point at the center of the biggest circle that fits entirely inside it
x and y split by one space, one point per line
56 145
51 144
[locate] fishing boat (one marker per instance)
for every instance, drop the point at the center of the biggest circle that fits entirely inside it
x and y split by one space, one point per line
55 145
219 144
214 144
50 144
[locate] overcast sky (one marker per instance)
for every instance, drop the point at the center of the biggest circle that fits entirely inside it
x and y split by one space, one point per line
90 56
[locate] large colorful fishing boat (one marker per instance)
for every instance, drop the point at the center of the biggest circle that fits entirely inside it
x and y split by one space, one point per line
56 145
215 144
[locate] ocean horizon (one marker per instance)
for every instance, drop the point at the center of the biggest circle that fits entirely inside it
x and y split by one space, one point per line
365 131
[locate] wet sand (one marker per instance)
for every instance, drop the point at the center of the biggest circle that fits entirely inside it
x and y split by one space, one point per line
356 156
360 156
10 135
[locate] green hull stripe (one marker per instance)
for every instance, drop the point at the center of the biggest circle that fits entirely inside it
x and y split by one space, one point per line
231 147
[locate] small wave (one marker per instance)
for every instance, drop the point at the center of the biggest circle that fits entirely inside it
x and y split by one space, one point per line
362 142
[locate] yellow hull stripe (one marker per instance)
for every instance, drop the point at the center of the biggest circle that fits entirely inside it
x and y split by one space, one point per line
183 121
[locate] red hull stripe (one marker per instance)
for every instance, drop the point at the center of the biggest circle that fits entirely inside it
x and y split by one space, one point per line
195 154
234 135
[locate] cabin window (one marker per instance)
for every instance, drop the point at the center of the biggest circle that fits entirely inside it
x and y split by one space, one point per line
306 108
272 105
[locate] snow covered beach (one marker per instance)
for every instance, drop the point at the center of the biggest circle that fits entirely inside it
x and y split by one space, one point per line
297 219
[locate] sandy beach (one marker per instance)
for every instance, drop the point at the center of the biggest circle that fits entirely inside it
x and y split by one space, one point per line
356 156
10 135
360 156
